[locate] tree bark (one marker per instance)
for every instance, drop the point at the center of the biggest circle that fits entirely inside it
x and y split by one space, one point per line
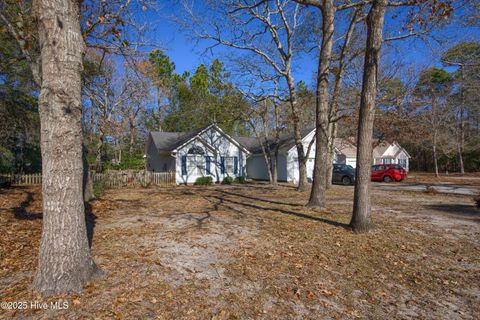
434 151
434 140
333 111
297 135
461 141
64 263
276 142
320 175
98 155
331 153
361 217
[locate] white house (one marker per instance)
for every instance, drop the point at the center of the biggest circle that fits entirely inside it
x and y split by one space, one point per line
205 152
212 152
345 152
391 153
287 161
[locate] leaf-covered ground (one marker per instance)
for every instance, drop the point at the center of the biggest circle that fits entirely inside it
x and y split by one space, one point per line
255 252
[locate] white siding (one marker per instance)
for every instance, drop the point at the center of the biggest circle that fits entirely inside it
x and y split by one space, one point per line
292 159
351 161
223 148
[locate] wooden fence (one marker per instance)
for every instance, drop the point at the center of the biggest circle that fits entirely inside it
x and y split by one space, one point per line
111 179
21 179
116 179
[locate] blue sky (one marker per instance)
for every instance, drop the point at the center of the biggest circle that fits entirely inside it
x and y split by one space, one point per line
187 54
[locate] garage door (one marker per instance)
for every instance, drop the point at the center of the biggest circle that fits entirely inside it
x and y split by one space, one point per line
352 162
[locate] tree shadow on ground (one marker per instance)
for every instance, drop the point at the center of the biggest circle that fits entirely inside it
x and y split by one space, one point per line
260 199
463 210
21 211
286 212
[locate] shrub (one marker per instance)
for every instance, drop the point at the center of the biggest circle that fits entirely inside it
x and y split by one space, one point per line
477 200
204 181
227 180
4 184
99 188
240 180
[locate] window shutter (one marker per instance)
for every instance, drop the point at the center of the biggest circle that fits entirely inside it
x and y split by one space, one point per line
207 164
184 165
222 165
235 165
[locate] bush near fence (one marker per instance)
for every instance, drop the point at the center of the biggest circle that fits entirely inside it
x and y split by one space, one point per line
110 179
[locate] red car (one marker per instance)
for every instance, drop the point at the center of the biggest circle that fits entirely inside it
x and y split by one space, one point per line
388 172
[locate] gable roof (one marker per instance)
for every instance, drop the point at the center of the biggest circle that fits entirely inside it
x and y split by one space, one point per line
171 141
345 147
286 142
382 147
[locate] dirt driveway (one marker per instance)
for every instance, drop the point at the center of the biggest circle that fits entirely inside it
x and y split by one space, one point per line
253 251
435 187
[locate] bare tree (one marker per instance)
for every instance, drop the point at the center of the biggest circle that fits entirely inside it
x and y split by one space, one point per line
52 42
426 15
265 29
65 263
361 220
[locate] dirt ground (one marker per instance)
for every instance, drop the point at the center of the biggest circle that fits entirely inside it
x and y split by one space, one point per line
255 252
469 179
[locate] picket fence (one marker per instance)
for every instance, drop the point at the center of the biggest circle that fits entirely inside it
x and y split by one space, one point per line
116 179
21 179
110 179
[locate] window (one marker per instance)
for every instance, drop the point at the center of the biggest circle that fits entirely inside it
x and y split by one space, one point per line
196 150
229 165
196 165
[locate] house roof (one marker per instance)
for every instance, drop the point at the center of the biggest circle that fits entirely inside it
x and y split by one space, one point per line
286 142
170 141
345 147
380 148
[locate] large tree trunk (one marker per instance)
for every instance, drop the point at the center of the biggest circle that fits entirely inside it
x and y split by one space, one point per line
99 152
297 135
361 217
331 152
275 167
320 175
461 141
435 132
333 111
434 151
64 263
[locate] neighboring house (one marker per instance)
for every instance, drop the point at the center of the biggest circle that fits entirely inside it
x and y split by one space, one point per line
391 153
345 152
205 152
287 161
